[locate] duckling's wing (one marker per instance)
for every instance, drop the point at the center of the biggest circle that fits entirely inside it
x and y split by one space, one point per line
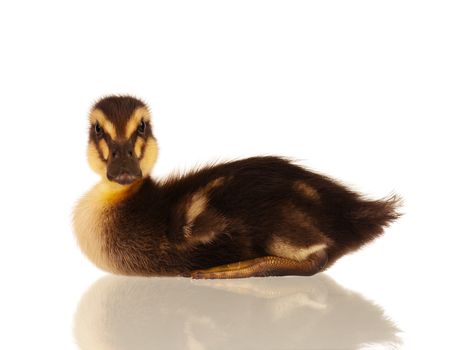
194 223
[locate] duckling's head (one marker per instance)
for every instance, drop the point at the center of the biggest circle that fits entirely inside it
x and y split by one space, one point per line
121 145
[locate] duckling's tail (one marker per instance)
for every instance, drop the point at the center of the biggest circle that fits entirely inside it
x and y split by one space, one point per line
371 217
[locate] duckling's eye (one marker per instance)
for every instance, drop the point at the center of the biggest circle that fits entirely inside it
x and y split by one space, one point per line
142 127
98 129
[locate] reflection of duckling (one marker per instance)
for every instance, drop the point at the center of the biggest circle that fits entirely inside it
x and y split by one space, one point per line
259 216
131 313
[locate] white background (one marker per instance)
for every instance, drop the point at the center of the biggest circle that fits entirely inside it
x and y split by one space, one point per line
357 90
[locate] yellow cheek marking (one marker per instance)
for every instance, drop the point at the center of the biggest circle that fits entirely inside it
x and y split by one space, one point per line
98 116
94 160
135 119
104 149
150 156
139 147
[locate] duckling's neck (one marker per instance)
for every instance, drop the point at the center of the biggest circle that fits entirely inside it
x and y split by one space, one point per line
109 193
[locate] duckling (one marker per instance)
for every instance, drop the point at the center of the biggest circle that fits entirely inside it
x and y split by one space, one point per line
254 217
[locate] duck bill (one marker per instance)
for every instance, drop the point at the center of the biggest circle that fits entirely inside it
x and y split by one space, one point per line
123 168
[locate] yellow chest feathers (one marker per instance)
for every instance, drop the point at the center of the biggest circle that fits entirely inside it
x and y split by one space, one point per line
93 219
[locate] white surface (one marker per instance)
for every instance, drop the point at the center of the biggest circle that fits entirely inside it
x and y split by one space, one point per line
357 90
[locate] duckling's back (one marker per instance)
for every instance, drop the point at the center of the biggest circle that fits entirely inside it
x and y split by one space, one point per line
269 206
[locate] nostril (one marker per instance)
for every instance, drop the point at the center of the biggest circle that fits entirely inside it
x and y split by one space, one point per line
130 153
115 154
